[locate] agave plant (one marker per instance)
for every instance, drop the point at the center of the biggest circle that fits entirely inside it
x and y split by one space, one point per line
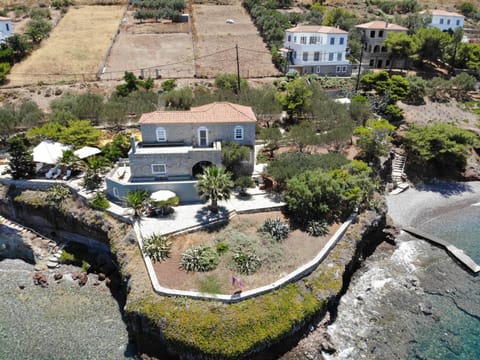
157 247
317 228
246 262
199 258
276 228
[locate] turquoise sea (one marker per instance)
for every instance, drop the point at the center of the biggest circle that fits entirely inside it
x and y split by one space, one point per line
412 300
456 334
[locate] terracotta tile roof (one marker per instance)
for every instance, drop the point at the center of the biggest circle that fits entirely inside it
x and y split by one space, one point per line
440 13
379 25
216 112
317 29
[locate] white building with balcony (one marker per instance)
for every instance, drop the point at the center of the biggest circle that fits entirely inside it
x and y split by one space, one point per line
315 49
444 20
6 28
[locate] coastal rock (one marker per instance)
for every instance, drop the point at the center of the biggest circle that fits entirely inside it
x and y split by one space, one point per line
101 276
40 278
58 276
81 277
391 233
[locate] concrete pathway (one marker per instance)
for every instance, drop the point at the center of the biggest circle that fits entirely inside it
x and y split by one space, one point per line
190 216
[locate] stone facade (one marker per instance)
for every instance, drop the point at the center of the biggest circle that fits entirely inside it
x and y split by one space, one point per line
177 145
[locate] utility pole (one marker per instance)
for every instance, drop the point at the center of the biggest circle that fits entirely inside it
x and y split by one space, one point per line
238 70
360 65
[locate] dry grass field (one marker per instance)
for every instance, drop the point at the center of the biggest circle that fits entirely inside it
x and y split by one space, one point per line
215 42
75 47
151 46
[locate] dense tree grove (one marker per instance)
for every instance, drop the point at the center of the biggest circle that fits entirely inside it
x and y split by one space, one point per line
159 9
328 195
442 146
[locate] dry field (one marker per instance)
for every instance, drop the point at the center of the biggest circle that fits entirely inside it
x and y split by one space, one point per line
280 258
215 42
75 47
151 46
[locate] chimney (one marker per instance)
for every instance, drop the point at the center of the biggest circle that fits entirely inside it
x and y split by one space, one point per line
132 144
386 24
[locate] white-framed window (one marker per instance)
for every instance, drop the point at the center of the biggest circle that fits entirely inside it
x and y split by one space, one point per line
289 38
202 136
305 56
316 56
330 56
294 39
238 133
332 41
303 39
294 54
161 134
339 56
116 193
458 22
313 40
159 169
372 33
448 22
318 69
380 33
441 21
342 40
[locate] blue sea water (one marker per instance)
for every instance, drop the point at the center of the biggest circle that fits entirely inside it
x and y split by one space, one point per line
456 334
413 301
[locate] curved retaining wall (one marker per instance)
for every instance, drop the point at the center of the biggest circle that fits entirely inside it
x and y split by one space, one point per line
293 276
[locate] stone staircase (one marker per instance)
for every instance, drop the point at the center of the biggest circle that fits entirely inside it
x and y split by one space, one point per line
398 174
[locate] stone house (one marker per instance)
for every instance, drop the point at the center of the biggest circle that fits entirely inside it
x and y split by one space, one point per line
375 53
312 49
177 145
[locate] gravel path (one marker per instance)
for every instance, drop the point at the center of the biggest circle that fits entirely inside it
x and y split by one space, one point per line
61 321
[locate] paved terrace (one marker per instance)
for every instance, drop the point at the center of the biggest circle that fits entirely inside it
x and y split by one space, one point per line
191 217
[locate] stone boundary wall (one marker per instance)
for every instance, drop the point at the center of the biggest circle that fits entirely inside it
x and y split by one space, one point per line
293 276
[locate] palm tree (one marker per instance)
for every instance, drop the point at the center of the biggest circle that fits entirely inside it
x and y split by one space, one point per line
69 160
214 184
136 199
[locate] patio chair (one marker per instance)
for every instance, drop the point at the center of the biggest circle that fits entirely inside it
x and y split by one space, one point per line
68 173
49 173
57 173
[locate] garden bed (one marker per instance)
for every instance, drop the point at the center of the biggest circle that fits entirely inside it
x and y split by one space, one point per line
278 258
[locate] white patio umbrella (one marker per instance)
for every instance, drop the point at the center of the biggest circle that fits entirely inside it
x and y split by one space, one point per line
86 152
162 195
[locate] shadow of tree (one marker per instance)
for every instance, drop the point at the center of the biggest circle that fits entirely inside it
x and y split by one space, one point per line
446 188
205 216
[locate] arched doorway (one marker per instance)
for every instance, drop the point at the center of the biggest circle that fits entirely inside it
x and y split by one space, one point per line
197 169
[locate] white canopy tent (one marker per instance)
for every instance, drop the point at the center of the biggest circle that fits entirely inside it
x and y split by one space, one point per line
86 152
48 152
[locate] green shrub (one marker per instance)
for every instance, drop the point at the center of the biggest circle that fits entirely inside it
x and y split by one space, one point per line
57 194
85 266
246 262
100 202
67 258
222 248
169 85
199 258
317 228
157 247
262 158
276 228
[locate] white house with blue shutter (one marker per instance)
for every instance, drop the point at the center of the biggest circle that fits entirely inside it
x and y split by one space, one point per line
444 20
312 49
6 28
